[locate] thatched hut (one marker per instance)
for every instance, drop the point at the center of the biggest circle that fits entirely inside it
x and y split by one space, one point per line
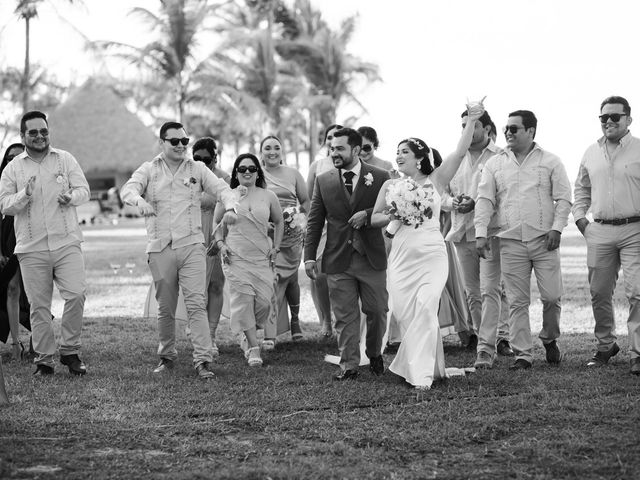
108 141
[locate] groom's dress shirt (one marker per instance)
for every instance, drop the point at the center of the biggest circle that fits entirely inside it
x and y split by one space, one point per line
41 223
466 182
610 185
530 199
176 200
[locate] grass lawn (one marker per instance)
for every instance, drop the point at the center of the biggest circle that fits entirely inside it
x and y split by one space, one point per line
289 420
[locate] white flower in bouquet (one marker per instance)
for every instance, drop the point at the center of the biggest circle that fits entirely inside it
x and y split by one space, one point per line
408 203
294 219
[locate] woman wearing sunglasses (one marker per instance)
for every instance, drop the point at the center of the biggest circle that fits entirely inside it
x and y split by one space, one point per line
291 189
248 253
370 144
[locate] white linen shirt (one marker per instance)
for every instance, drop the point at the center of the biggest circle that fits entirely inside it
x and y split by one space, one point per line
610 186
176 200
530 199
41 223
466 182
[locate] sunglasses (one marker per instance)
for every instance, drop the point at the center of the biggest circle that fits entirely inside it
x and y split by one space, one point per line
176 141
206 160
34 133
615 117
245 169
512 129
367 148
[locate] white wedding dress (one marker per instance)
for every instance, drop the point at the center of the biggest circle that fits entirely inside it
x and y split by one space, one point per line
417 273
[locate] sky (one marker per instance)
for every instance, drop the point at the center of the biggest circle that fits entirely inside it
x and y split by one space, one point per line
558 58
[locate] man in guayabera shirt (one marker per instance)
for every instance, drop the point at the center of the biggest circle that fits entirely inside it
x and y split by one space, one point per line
168 192
482 276
530 192
41 188
609 183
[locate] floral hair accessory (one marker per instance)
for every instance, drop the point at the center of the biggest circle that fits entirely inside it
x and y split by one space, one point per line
368 179
418 143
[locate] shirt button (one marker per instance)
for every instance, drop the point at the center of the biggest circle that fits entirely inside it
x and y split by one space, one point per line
349 242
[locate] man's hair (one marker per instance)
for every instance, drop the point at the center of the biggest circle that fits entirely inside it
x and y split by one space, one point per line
206 143
30 116
168 126
620 100
529 120
354 139
370 134
485 119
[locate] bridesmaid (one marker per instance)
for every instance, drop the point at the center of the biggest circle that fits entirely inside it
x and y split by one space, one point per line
287 183
370 144
248 253
319 287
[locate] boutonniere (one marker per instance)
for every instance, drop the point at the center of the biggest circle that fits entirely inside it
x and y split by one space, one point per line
189 180
368 179
59 178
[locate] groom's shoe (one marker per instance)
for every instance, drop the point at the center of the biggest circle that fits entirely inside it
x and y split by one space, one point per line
349 374
376 365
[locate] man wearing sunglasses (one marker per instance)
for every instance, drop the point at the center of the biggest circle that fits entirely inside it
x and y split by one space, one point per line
529 191
481 275
41 188
168 192
608 183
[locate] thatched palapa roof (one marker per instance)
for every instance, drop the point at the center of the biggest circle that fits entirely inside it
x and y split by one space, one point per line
95 126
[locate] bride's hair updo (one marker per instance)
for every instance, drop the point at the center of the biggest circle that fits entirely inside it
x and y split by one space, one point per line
430 158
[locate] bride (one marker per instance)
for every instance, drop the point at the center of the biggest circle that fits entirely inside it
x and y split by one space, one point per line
418 265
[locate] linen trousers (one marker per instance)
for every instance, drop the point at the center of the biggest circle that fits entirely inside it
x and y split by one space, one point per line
518 258
610 247
359 281
483 286
65 267
171 269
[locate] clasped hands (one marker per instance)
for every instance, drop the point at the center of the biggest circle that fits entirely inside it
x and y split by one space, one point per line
358 220
463 203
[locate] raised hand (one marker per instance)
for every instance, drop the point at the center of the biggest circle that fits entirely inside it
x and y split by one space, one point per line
31 183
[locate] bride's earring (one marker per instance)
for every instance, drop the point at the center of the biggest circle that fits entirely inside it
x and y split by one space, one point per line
419 164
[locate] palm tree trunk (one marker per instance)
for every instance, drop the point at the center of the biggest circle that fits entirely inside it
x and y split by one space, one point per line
313 135
26 73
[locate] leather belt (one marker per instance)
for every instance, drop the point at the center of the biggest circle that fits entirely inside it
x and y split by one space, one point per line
617 221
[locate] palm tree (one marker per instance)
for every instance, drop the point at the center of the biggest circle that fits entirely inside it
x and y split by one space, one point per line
171 56
27 10
330 69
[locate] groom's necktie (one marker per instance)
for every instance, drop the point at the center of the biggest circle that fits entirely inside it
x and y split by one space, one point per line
348 180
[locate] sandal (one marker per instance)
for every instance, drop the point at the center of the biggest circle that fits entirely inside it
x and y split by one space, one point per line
253 357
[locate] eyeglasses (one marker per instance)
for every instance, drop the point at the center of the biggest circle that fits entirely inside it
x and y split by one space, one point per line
34 133
615 117
206 160
367 148
245 169
512 129
176 141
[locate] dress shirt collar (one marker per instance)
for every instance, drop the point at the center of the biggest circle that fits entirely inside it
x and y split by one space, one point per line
356 170
623 141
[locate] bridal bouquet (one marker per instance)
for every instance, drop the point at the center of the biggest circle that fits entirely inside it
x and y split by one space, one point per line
408 203
294 220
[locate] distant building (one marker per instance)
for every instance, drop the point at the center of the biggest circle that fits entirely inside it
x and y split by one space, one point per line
108 141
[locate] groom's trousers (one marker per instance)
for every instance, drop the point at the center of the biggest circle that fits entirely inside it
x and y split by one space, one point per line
359 281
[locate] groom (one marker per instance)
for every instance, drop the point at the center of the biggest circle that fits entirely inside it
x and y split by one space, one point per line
354 258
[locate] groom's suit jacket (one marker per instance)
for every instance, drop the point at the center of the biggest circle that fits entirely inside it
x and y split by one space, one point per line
331 202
